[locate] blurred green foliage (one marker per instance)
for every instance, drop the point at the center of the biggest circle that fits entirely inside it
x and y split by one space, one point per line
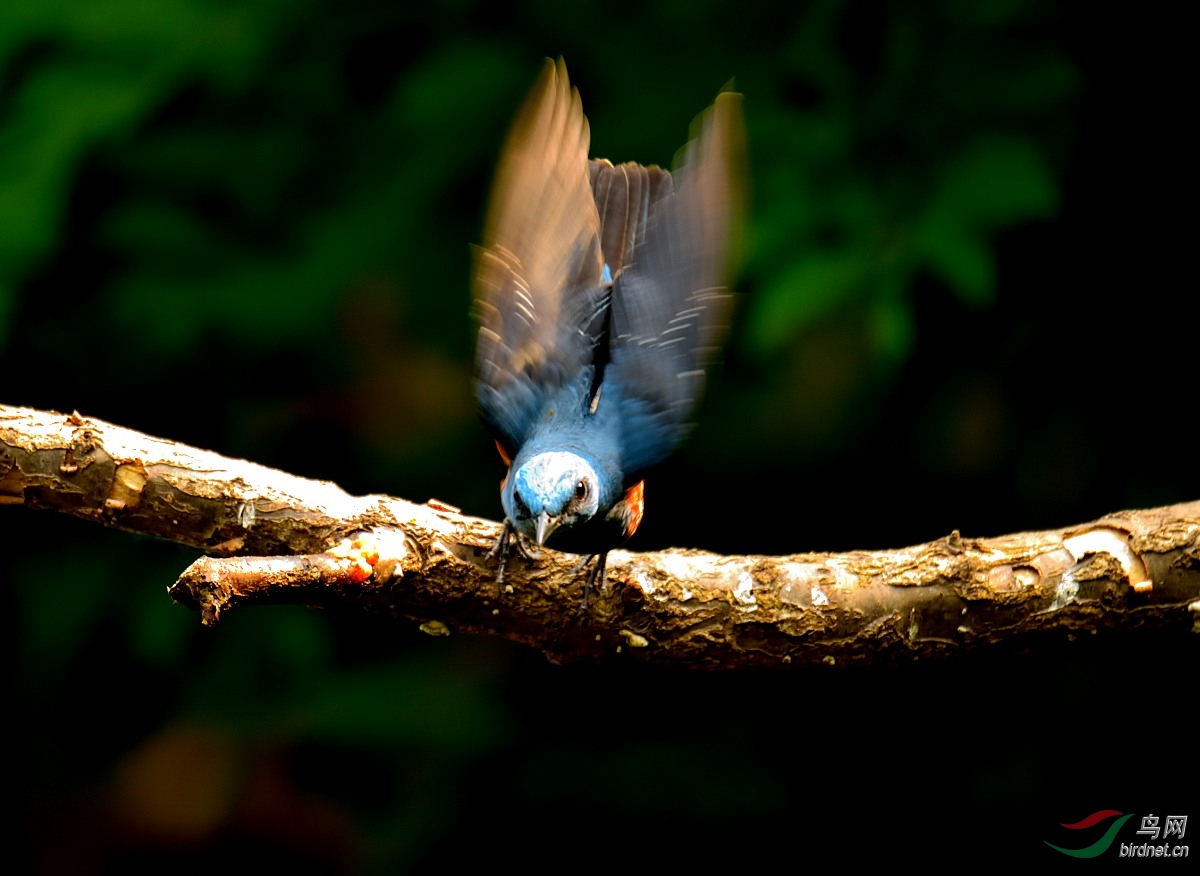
871 174
245 225
258 173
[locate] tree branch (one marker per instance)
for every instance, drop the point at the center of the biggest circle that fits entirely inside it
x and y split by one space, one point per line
277 538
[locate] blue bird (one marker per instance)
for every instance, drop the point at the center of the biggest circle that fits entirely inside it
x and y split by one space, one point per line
601 295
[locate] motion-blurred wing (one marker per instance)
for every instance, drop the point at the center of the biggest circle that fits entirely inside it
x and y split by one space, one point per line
670 304
624 197
538 274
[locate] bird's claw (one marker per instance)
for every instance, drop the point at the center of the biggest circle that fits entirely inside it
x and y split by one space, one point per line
595 575
508 542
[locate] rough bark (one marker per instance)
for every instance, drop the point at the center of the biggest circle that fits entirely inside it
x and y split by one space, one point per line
272 537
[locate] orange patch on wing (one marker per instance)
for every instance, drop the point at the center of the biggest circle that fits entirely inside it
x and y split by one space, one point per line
503 455
507 461
635 501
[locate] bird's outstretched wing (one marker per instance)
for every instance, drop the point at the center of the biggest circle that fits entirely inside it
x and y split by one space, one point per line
625 195
538 276
670 300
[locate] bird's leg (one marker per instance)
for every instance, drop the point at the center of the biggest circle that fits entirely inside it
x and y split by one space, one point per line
596 574
499 551
509 541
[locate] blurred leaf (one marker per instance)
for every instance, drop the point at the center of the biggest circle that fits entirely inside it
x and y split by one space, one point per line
40 145
445 92
994 184
893 155
892 328
997 181
254 297
107 66
809 288
958 256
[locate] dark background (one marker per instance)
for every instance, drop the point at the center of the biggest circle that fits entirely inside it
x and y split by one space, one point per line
966 301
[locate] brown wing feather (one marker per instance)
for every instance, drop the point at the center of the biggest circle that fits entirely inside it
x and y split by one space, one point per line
625 195
671 302
537 274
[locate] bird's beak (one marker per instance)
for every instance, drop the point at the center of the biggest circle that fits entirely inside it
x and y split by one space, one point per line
545 526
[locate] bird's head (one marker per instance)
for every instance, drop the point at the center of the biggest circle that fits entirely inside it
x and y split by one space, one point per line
551 490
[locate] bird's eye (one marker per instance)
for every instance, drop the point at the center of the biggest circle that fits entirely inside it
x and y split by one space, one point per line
581 490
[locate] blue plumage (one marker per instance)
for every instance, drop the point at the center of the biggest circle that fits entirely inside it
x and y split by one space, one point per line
601 294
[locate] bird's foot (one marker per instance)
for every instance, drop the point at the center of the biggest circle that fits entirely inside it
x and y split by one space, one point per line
508 543
595 575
